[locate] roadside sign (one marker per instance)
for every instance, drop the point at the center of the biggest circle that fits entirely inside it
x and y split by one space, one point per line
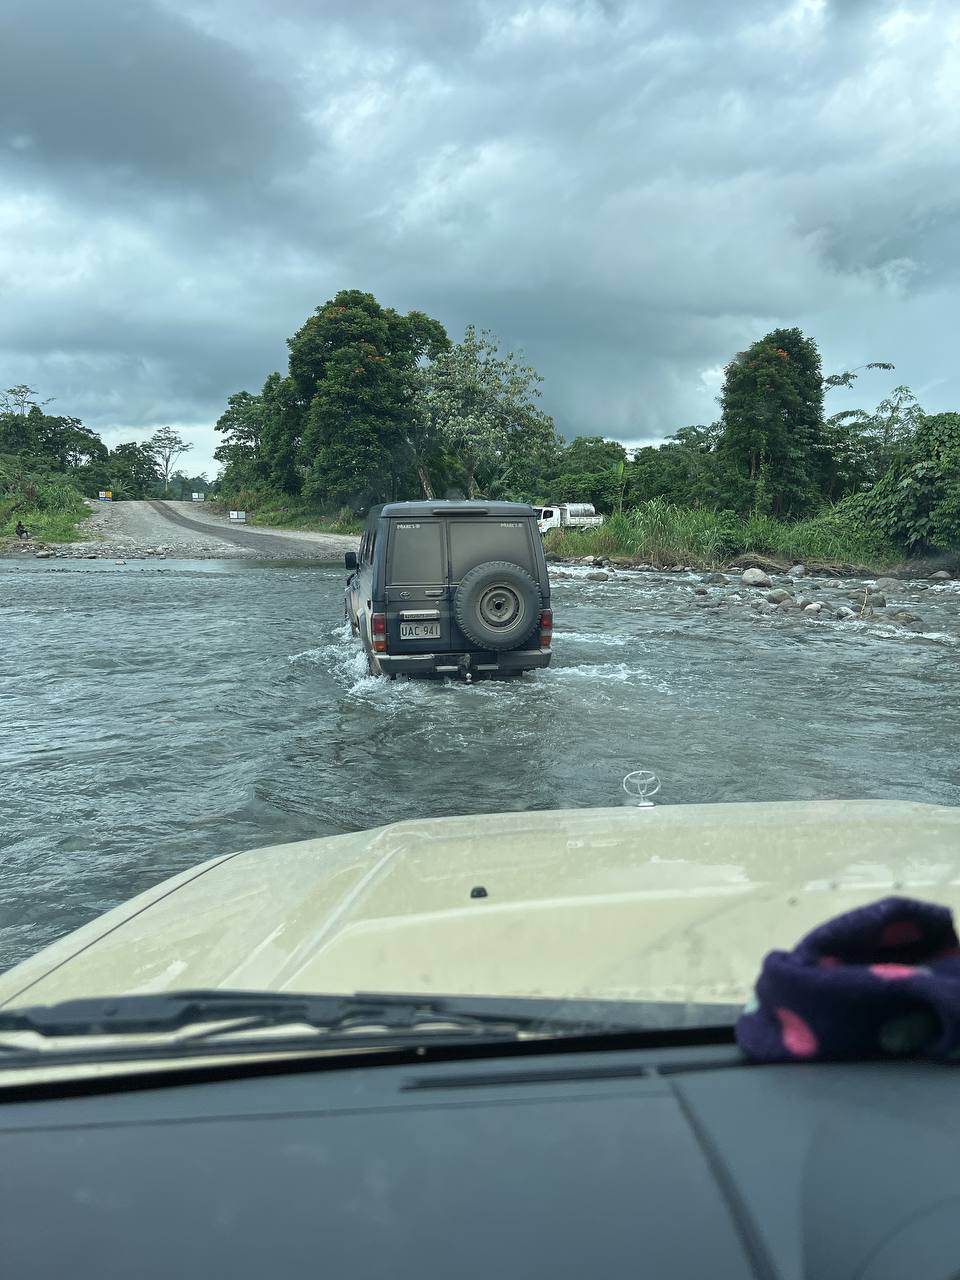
239 515
198 497
106 495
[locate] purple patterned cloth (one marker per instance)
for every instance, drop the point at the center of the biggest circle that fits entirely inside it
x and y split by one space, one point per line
881 980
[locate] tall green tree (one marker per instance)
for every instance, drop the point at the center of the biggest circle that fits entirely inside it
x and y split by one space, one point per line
481 404
588 469
167 445
18 431
893 424
80 445
282 415
853 460
133 470
353 366
772 421
240 425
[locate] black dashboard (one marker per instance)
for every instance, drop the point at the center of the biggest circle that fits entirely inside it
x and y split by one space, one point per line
661 1164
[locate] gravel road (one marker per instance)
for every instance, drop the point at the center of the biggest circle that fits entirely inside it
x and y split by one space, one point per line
178 530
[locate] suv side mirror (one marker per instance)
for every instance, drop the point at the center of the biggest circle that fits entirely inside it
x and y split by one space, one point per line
350 559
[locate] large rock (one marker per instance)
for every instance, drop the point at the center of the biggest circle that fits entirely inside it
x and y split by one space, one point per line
877 600
903 615
798 571
778 596
859 599
755 578
887 584
786 606
42 555
813 609
719 579
599 576
941 575
763 606
845 614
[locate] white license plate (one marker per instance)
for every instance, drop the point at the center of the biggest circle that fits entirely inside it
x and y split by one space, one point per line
419 630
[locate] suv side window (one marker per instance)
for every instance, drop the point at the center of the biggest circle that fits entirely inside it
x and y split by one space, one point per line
416 553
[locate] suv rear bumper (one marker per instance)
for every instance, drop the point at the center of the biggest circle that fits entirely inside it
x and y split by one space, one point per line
509 660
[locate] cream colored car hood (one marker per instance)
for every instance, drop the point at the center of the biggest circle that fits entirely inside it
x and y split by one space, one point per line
667 903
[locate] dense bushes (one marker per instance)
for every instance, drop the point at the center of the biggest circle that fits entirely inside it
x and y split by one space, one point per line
659 532
916 503
48 506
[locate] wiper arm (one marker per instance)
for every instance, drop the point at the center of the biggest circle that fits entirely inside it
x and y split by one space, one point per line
163 1012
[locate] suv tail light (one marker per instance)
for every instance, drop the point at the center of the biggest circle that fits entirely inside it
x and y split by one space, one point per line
378 629
546 628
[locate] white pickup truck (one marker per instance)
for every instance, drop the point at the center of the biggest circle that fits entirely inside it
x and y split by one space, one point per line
568 515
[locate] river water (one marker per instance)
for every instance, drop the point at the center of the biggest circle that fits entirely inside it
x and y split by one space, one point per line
155 716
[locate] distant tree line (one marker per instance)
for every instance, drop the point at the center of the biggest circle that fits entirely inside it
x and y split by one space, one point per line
379 406
37 446
376 406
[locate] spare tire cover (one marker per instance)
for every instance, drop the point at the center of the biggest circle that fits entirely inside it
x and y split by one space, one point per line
497 605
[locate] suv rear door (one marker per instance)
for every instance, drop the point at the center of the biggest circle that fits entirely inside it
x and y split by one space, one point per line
417 594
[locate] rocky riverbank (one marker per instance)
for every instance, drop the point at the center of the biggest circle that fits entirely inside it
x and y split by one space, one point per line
119 553
941 567
796 594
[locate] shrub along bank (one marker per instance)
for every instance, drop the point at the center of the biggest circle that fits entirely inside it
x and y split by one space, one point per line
275 511
660 533
50 507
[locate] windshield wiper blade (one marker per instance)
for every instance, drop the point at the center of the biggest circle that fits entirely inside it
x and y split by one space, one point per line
164 1012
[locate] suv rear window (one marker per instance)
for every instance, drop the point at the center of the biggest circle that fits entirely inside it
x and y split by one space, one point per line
416 552
473 542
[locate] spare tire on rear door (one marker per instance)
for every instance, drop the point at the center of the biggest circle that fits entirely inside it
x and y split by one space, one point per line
497 605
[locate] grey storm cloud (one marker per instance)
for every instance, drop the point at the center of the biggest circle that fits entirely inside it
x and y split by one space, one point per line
629 192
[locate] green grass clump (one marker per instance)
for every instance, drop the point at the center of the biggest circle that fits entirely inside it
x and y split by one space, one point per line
277 512
297 516
659 532
50 509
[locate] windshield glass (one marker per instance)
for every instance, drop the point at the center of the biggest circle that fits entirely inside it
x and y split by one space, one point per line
308 308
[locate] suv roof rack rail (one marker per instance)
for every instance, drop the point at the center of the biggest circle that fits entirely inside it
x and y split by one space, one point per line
461 511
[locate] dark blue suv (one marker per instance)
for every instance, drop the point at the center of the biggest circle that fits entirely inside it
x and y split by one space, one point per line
451 588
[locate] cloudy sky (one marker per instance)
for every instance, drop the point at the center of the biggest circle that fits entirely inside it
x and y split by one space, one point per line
628 190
